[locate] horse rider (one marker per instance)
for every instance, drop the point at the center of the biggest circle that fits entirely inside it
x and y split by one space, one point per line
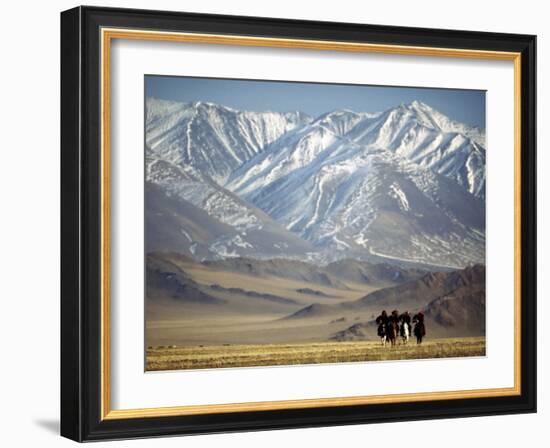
405 319
382 322
419 327
394 317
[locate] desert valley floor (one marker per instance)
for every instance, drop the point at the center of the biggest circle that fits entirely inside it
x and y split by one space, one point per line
244 302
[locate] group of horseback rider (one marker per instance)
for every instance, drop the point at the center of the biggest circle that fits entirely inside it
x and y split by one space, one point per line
394 325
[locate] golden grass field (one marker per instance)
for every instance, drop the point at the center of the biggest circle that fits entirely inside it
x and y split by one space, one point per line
207 357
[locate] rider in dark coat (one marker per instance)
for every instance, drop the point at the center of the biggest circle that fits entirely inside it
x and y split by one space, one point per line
382 321
405 319
419 326
393 325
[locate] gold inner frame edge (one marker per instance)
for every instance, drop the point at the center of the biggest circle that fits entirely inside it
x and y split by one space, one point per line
107 35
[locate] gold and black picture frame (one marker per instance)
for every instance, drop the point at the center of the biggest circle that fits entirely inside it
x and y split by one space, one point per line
140 281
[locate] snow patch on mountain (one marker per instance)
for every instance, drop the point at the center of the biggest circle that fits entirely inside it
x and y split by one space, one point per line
397 193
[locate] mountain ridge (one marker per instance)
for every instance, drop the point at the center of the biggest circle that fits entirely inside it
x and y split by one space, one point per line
448 299
406 184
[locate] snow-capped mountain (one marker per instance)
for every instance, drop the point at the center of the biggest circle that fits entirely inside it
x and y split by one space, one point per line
189 213
342 196
407 183
213 139
428 138
415 132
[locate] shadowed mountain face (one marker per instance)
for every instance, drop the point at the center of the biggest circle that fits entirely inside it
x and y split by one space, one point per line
168 278
403 185
334 274
453 303
377 273
165 279
165 268
431 286
464 307
428 292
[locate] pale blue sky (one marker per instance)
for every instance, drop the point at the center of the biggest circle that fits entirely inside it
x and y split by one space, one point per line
466 106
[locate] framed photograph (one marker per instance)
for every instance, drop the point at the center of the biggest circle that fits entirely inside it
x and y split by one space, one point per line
273 223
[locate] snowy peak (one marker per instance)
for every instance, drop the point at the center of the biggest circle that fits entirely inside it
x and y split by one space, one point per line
422 113
422 135
213 139
440 122
340 121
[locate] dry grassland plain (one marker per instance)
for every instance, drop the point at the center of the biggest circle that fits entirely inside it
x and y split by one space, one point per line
176 358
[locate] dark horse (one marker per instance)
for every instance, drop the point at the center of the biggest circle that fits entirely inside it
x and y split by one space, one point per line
392 327
419 327
392 330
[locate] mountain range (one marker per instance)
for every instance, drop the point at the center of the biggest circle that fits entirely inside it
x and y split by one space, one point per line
405 185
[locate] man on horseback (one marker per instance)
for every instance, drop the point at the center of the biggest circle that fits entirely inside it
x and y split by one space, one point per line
419 327
382 322
405 328
392 328
394 317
